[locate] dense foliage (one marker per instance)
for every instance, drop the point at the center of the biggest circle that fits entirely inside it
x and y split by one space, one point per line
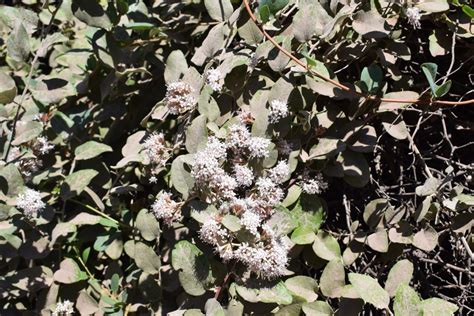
289 157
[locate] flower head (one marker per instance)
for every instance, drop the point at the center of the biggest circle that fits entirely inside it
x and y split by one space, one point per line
414 16
243 175
156 150
30 202
43 145
64 308
278 110
251 221
166 208
238 137
214 79
179 97
212 232
280 172
314 186
267 260
258 147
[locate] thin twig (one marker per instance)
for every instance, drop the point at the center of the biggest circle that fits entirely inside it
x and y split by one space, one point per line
340 85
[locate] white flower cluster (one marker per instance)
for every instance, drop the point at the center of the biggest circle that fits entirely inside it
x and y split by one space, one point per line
268 261
43 146
157 152
314 186
64 308
278 110
180 97
413 14
214 79
30 202
167 209
243 175
241 142
243 193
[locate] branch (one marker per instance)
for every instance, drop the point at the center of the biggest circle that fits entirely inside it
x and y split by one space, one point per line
338 84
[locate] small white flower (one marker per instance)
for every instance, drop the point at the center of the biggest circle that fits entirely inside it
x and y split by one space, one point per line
64 308
43 145
153 179
30 202
224 186
314 186
268 191
413 14
258 147
278 110
179 97
216 148
238 137
251 221
269 261
212 232
214 79
166 209
155 149
243 175
280 172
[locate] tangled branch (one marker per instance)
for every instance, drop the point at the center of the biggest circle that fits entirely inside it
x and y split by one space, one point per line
338 84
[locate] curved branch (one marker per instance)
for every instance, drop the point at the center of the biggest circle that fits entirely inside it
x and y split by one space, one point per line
338 84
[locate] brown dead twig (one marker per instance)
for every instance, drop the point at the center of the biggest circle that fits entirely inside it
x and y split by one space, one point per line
338 84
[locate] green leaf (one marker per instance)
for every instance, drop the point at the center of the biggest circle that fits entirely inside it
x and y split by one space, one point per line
437 307
194 270
264 12
430 69
369 290
378 241
18 44
303 235
69 272
231 222
86 304
148 226
12 183
213 308
181 178
401 273
90 150
326 246
75 183
144 256
433 6
302 288
278 294
370 24
443 89
371 78
333 279
176 66
27 132
91 13
406 301
196 134
219 10
426 239
468 10
318 308
273 5
7 88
